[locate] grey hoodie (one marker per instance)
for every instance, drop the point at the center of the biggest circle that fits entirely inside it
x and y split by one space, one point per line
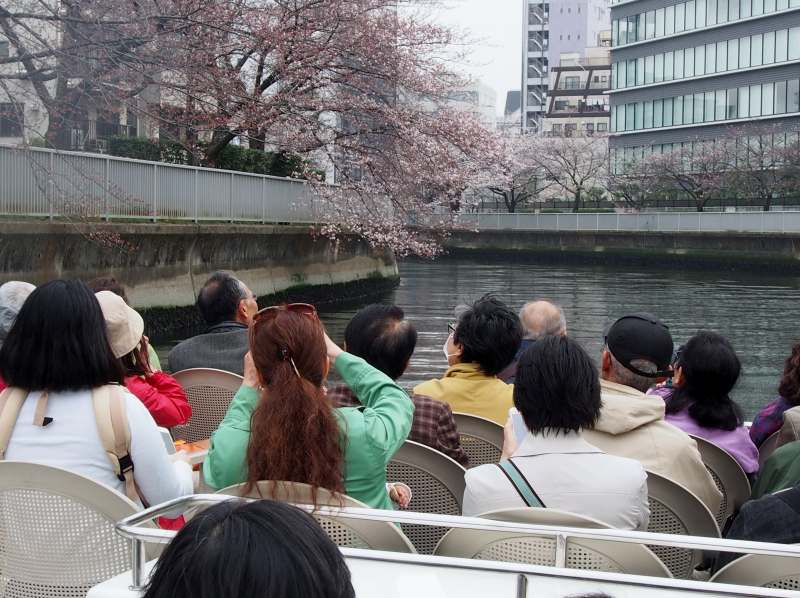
632 425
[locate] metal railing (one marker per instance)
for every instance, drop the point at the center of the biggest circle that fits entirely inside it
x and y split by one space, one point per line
131 528
40 182
744 222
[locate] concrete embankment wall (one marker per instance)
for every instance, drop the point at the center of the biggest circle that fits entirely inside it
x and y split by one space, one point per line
164 265
776 251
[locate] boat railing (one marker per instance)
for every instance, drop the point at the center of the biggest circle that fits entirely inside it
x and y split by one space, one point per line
133 528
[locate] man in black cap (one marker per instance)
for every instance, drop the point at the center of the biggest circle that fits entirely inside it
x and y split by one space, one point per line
638 349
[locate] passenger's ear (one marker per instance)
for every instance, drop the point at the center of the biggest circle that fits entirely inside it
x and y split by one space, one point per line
605 361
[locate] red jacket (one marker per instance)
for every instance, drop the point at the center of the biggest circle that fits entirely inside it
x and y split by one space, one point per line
163 397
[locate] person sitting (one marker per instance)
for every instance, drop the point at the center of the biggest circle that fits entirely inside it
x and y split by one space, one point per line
381 337
699 403
227 307
638 349
772 518
482 343
780 471
12 295
538 318
263 548
558 395
109 283
769 419
59 357
160 392
282 427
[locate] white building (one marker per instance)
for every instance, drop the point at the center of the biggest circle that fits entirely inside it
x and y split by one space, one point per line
549 30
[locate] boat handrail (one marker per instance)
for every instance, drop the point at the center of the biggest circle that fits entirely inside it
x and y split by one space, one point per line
130 528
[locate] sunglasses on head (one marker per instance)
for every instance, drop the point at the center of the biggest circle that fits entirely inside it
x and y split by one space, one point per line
269 313
451 327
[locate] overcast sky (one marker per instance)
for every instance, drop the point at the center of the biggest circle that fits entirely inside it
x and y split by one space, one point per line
497 25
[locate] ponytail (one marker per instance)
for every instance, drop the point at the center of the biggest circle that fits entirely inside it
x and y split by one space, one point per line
294 434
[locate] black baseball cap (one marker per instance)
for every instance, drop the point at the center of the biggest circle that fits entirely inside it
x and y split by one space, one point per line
641 336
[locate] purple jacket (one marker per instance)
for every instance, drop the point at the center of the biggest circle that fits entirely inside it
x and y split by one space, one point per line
769 420
736 442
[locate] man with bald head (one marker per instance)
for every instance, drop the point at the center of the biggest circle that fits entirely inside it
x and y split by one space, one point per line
539 318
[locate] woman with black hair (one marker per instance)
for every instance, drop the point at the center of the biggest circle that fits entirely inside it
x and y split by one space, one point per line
263 548
706 370
770 419
55 356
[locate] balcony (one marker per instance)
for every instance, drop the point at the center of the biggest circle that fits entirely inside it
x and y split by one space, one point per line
92 135
538 17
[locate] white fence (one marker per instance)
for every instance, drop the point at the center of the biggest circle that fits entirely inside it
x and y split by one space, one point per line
750 222
43 182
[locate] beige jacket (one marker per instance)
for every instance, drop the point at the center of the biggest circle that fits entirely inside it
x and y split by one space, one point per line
632 425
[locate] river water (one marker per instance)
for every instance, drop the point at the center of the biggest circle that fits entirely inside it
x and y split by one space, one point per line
757 312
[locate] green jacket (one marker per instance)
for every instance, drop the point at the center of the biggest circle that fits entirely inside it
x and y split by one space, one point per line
780 471
371 433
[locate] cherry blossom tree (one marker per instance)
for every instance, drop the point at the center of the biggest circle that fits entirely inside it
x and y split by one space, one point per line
574 164
515 176
358 88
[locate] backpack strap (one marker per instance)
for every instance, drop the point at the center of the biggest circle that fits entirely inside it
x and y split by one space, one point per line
11 401
520 483
115 434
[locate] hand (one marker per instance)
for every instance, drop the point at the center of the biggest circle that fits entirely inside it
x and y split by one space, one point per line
251 378
333 349
509 439
400 494
144 355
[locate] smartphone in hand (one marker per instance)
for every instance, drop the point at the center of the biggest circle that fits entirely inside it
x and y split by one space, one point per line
520 429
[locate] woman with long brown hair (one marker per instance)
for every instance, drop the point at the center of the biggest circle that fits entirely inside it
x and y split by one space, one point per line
281 426
770 419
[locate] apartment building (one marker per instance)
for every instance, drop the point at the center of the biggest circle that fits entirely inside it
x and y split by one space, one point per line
552 28
685 71
578 95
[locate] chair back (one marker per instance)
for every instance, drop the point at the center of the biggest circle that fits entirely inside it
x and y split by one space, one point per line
760 570
210 392
730 478
767 448
57 534
676 510
437 486
343 531
481 438
596 555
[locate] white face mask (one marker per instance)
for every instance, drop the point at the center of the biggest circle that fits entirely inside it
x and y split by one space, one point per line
447 355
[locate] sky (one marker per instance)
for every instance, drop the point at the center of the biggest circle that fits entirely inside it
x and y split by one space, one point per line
497 27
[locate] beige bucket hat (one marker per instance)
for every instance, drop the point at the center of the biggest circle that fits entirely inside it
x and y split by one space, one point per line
125 325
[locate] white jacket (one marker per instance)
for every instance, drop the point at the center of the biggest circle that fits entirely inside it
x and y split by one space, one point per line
632 425
71 441
568 474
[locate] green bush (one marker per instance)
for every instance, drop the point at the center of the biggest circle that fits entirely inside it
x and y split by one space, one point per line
137 148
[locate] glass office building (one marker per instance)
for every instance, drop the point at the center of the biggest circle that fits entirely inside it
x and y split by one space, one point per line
687 71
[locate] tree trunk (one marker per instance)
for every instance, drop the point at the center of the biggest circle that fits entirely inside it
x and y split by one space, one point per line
768 202
577 205
219 142
256 140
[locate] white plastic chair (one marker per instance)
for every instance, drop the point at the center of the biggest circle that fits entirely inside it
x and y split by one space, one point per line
437 486
596 555
481 438
730 478
342 530
762 571
57 534
210 392
676 510
767 448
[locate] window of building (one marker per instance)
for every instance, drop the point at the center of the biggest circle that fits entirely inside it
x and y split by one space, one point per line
769 6
11 119
722 11
669 20
722 57
711 58
688 62
708 109
699 13
700 60
680 22
793 95
669 61
769 47
640 70
767 99
733 54
631 72
690 11
677 111
679 64
570 129
4 49
668 112
557 128
745 9
758 7
649 68
658 74
660 22
602 127
733 104
720 104
650 24
781 45
744 52
640 29
589 128
733 10
579 9
755 100
698 108
711 12
794 43
780 97
569 10
658 113
639 117
744 102
756 50
687 109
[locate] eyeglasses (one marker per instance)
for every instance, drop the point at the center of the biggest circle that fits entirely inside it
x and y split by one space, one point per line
451 327
271 312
